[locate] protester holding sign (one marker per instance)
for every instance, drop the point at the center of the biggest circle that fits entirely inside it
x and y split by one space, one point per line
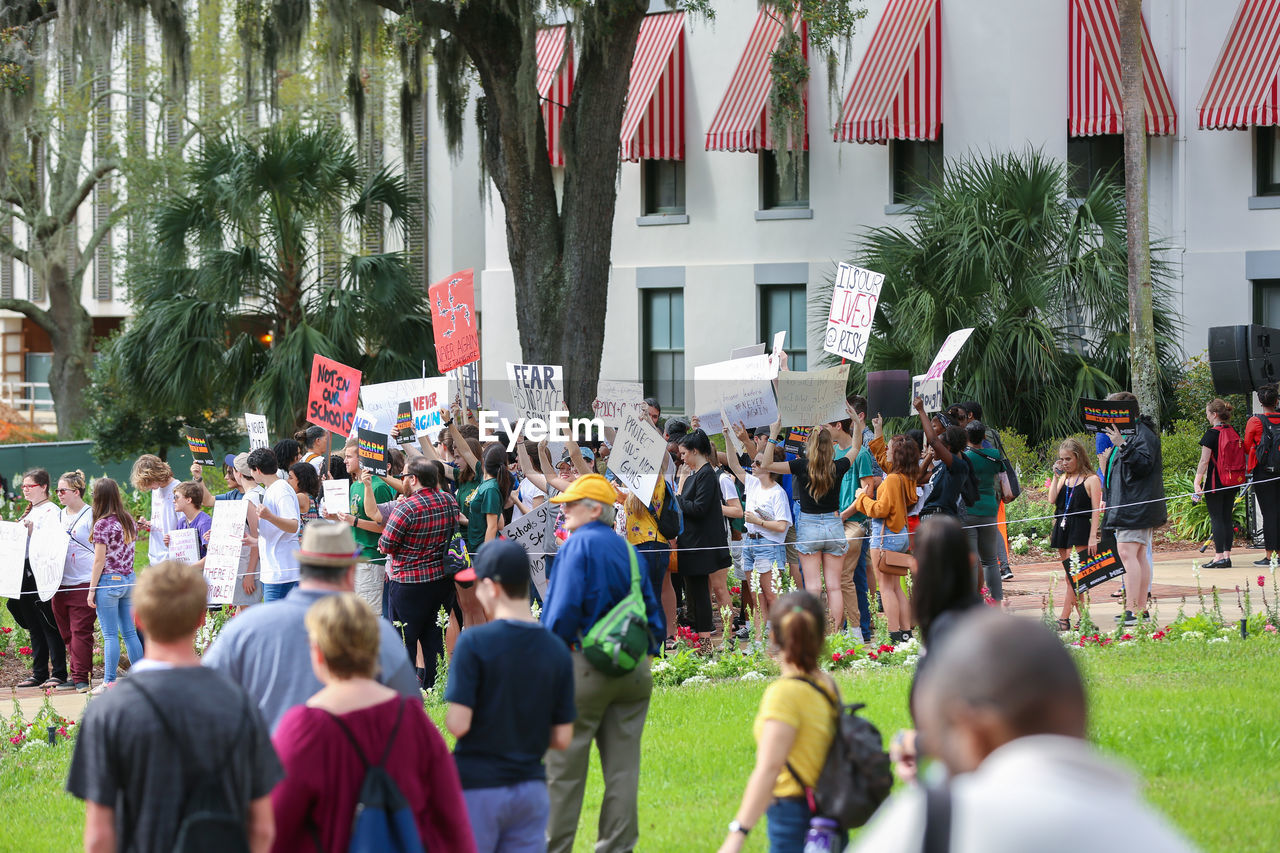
767 516
151 474
704 543
70 608
186 500
1076 493
948 446
111 583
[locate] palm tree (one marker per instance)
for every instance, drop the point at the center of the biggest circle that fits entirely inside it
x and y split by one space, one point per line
997 245
236 299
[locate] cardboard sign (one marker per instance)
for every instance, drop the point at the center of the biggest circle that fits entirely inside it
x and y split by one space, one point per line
636 457
373 451
535 532
257 427
48 556
334 395
537 389
184 545
887 392
928 390
1100 414
947 354
13 555
453 320
735 444
429 399
1094 570
746 352
779 339
404 431
742 387
337 496
464 385
226 543
198 442
616 400
812 397
796 439
853 309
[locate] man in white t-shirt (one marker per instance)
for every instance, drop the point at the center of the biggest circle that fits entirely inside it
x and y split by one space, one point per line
279 520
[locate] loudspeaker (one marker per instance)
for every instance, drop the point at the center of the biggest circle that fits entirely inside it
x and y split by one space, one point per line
1243 358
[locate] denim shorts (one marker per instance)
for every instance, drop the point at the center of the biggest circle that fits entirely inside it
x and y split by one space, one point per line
761 555
821 533
887 540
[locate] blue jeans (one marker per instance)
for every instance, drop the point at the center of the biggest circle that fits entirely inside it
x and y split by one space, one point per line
276 591
511 819
821 533
788 822
655 558
883 539
114 597
761 555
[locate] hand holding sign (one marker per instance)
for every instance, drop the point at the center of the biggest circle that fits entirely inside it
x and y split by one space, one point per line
198 442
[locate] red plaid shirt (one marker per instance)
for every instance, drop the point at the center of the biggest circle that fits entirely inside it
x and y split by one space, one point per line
416 535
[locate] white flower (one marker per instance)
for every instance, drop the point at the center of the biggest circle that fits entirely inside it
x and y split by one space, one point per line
1193 635
536 610
697 679
911 660
1220 640
442 619
660 666
910 646
751 676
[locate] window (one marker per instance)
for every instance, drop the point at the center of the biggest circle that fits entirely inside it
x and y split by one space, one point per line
1268 160
916 166
663 182
1266 302
664 347
783 190
785 307
1093 157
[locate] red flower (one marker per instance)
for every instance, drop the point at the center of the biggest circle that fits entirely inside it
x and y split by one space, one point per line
15 740
885 647
1262 581
1127 637
872 655
25 650
736 590
852 652
835 657
1158 635
6 630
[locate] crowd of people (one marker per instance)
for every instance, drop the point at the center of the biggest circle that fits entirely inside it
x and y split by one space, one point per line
347 613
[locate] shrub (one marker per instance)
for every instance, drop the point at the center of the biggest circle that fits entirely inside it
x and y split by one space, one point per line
1026 461
1193 391
1029 517
1190 518
1180 449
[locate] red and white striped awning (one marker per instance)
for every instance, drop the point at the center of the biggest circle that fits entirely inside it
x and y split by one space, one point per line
1244 90
653 120
897 92
1094 103
741 122
554 57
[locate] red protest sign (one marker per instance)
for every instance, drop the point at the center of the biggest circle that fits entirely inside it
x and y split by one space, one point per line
453 320
334 395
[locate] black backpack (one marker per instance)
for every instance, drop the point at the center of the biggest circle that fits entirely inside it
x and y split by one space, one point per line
855 778
1269 447
968 483
669 517
210 823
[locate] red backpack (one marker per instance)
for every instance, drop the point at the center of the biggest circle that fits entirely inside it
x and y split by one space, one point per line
1231 459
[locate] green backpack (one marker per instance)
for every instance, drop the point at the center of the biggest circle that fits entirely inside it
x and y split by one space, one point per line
621 638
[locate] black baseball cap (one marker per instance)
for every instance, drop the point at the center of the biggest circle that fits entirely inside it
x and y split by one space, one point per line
501 560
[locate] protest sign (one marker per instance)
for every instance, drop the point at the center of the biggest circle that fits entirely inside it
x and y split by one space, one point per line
373 451
13 556
734 441
853 308
337 496
887 392
797 438
1100 414
742 387
257 427
537 389
636 457
429 399
535 532
48 556
226 546
464 385
779 339
334 395
1094 570
198 442
616 400
746 352
946 355
365 420
928 390
812 397
404 431
184 545
453 320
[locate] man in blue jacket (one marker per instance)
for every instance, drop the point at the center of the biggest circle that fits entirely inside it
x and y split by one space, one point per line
593 574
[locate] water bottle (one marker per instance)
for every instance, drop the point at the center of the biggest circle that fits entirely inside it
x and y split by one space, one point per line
823 836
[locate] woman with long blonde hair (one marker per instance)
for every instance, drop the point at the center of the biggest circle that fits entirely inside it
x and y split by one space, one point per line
1076 493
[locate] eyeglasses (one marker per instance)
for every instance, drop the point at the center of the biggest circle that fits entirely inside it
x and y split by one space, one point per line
31 485
65 491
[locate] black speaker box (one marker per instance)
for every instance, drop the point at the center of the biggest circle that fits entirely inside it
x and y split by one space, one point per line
1243 358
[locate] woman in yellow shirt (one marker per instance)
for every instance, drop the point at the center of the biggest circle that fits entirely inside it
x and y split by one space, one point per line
794 729
888 509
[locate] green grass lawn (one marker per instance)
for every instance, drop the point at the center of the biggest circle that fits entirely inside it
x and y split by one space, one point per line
1199 721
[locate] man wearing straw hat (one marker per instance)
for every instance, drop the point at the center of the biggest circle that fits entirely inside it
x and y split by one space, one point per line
265 649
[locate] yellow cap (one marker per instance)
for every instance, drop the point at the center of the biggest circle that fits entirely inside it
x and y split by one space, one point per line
592 487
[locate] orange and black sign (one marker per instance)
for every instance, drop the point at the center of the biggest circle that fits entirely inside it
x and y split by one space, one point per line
1094 570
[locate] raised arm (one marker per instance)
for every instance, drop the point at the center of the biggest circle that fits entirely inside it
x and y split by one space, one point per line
940 448
557 482
531 474
732 458
459 443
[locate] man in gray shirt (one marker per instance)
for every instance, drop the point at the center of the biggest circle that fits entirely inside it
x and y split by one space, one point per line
265 649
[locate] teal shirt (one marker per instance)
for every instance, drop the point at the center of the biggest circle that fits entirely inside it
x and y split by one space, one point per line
985 468
864 465
486 501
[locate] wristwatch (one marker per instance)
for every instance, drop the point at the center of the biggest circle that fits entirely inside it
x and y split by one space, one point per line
734 826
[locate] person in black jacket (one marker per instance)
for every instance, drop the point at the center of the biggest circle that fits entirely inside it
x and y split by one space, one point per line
704 547
1133 489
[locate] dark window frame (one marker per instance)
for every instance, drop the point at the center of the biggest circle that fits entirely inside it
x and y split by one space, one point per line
1265 161
674 401
1102 154
771 184
796 346
651 172
908 186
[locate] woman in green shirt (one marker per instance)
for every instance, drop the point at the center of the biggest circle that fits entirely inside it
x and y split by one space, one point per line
981 522
484 509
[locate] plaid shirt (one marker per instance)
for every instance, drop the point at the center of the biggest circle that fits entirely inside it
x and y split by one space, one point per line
417 534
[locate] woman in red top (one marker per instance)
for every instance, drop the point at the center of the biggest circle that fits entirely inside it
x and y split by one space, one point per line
323 772
1266 484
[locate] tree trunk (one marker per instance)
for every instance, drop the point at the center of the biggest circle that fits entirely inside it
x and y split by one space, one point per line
1144 365
72 337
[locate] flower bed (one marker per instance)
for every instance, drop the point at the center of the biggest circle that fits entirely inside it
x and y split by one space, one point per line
19 733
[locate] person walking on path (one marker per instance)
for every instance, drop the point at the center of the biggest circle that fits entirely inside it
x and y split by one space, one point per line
1219 493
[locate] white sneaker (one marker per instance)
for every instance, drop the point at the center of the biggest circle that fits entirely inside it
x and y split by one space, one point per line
100 689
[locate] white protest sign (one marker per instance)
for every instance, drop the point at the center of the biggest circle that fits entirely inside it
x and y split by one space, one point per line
257 427
48 556
778 340
636 457
13 555
535 532
950 347
746 352
226 541
537 389
365 420
337 496
430 399
184 545
742 387
853 308
733 436
616 400
928 390
813 397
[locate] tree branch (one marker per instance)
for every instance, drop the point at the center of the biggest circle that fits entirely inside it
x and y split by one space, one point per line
29 309
68 213
7 247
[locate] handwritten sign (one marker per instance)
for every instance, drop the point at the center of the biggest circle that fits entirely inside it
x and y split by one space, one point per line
337 496
813 397
853 308
616 400
464 384
13 556
1094 570
734 441
747 351
373 451
536 389
334 395
198 442
222 560
48 556
928 390
364 420
184 545
946 355
779 338
1100 414
636 457
742 387
535 532
453 320
257 427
